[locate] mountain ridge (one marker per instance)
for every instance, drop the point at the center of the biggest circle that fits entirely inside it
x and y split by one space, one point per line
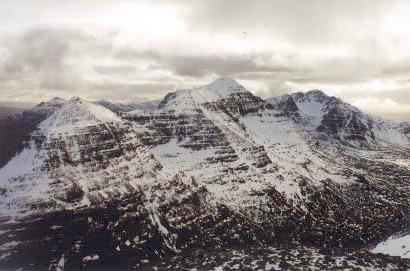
322 114
200 170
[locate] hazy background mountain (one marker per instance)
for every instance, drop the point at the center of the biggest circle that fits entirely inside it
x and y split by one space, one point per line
10 108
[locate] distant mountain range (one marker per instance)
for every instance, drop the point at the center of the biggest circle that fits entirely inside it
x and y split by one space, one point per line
199 178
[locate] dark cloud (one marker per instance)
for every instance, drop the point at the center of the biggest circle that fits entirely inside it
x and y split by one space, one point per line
49 59
219 65
41 54
205 65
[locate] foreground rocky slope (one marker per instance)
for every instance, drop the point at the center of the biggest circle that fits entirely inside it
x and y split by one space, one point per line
213 167
278 258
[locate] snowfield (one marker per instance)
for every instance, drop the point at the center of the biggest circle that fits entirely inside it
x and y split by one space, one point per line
395 246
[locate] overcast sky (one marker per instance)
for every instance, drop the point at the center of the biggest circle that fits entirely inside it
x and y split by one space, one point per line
139 50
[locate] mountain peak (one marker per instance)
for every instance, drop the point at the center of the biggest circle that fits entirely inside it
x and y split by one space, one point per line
224 86
75 99
225 81
54 102
187 99
57 100
78 113
315 93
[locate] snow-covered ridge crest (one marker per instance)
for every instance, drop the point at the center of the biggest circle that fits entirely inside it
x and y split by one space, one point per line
55 102
330 118
220 88
226 91
77 113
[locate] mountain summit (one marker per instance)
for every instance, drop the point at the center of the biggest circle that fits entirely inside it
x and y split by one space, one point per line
77 113
222 93
55 102
224 87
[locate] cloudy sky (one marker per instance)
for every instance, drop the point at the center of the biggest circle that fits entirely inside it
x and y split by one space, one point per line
139 50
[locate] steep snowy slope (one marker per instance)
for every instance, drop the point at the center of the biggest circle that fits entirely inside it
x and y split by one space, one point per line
239 147
330 118
75 151
15 130
83 168
86 174
189 134
211 130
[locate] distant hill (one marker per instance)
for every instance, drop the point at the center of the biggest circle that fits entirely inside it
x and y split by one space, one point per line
11 108
6 111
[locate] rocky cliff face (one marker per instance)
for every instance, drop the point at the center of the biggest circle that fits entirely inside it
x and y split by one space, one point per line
330 119
212 167
15 130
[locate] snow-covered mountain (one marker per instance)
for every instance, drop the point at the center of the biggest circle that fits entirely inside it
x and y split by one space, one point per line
81 148
211 167
15 130
330 118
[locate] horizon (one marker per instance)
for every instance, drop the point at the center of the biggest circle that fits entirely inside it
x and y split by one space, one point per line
27 105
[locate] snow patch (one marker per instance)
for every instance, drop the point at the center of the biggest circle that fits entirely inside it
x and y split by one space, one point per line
395 246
